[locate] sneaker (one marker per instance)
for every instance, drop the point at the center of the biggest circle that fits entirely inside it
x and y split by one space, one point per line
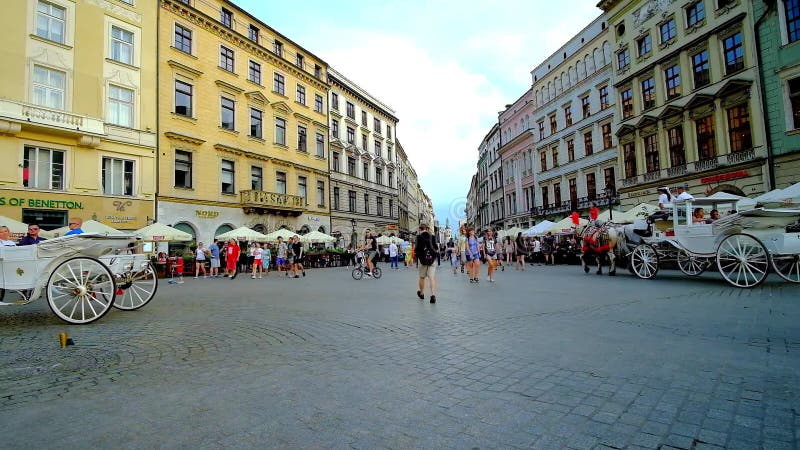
252 277
297 276
259 277
304 273
195 278
205 277
420 295
369 274
433 299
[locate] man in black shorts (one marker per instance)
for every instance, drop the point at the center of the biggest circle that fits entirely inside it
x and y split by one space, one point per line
371 249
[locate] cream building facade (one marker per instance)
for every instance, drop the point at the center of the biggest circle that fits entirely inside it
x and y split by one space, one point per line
689 108
78 112
243 134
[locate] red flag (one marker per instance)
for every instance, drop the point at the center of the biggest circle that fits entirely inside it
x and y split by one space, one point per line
576 218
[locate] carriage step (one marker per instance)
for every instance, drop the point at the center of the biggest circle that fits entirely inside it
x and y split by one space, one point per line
14 303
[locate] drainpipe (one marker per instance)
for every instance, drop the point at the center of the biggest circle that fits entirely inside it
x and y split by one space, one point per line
769 5
158 112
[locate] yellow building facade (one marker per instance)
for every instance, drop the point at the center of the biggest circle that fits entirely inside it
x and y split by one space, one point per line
78 112
243 124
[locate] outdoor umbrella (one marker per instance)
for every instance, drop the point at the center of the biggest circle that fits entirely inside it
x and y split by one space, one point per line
640 211
282 233
787 196
16 227
158 232
242 234
538 229
90 226
316 236
384 240
511 232
565 226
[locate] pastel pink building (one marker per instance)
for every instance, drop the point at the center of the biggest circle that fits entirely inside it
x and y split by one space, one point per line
516 152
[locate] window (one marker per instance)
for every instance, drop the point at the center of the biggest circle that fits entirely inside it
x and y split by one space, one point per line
570 150
378 149
672 76
390 174
227 177
706 145
604 103
541 129
610 178
50 21
256 123
302 144
605 129
668 30
391 208
299 60
335 159
351 166
648 93
277 48
335 128
365 171
543 160
677 152
587 143
183 169
301 94
351 110
623 59
280 182
695 13
302 187
318 103
734 53
279 85
121 45
379 175
320 193
376 125
48 87
553 124
120 106
794 102
45 168
627 103
226 17
351 201
252 33
117 176
555 156
700 68
792 11
629 154
363 118
334 100
545 196
651 153
557 193
366 203
586 106
364 142
320 145
183 39
225 58
591 186
254 74
573 192
644 45
256 178
280 131
183 98
336 202
379 202
739 133
227 113
351 135
388 132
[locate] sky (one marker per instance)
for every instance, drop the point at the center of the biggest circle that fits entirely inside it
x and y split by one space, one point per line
447 68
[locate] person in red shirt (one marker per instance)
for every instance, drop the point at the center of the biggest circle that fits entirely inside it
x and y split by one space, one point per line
232 251
594 211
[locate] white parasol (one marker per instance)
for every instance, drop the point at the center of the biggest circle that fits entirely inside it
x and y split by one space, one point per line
243 234
158 232
316 236
281 233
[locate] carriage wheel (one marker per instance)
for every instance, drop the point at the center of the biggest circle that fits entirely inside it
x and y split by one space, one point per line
376 272
743 260
787 267
358 273
644 261
690 264
80 290
138 288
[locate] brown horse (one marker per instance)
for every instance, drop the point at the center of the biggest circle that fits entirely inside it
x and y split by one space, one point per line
598 238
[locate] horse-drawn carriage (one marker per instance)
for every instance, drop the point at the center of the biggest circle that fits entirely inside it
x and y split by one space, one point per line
743 245
82 276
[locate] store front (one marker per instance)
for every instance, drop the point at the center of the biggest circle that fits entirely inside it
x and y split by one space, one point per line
53 209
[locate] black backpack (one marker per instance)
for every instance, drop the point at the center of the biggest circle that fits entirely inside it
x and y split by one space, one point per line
426 254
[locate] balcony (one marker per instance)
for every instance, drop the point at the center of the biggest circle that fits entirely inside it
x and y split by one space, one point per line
260 202
29 114
591 160
567 206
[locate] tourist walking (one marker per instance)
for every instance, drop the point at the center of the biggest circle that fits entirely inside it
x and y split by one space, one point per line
548 246
521 251
214 251
537 251
258 260
232 252
426 257
200 261
472 255
297 257
453 255
393 255
490 253
266 259
281 259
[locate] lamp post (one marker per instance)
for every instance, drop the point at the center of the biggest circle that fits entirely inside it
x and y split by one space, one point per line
353 235
609 190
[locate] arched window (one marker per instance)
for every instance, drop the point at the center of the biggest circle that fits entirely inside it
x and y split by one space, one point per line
260 228
589 65
606 52
186 228
573 77
565 80
321 229
581 70
224 228
304 230
598 58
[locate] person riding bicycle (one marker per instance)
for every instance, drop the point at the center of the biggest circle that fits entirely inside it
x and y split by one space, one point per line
371 247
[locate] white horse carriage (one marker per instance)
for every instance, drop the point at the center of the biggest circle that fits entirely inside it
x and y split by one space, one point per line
82 276
744 245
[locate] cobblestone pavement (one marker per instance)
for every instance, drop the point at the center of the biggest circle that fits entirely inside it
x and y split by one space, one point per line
548 358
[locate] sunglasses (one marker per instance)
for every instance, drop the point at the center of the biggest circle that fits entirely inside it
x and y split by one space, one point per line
73 223
33 229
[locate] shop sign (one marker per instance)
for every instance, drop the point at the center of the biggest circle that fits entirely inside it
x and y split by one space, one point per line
391 227
40 203
206 214
120 219
725 177
272 199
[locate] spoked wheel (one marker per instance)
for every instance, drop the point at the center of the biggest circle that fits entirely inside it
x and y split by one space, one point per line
358 274
376 272
743 260
80 290
137 288
691 265
644 261
787 267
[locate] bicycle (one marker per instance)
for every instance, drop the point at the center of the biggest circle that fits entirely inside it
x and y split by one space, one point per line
361 269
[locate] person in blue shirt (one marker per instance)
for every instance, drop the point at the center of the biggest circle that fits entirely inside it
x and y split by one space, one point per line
214 259
74 224
32 238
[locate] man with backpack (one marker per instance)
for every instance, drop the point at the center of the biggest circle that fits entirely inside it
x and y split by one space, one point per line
425 250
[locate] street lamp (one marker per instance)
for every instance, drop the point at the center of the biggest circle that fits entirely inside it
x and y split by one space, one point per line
609 190
353 235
